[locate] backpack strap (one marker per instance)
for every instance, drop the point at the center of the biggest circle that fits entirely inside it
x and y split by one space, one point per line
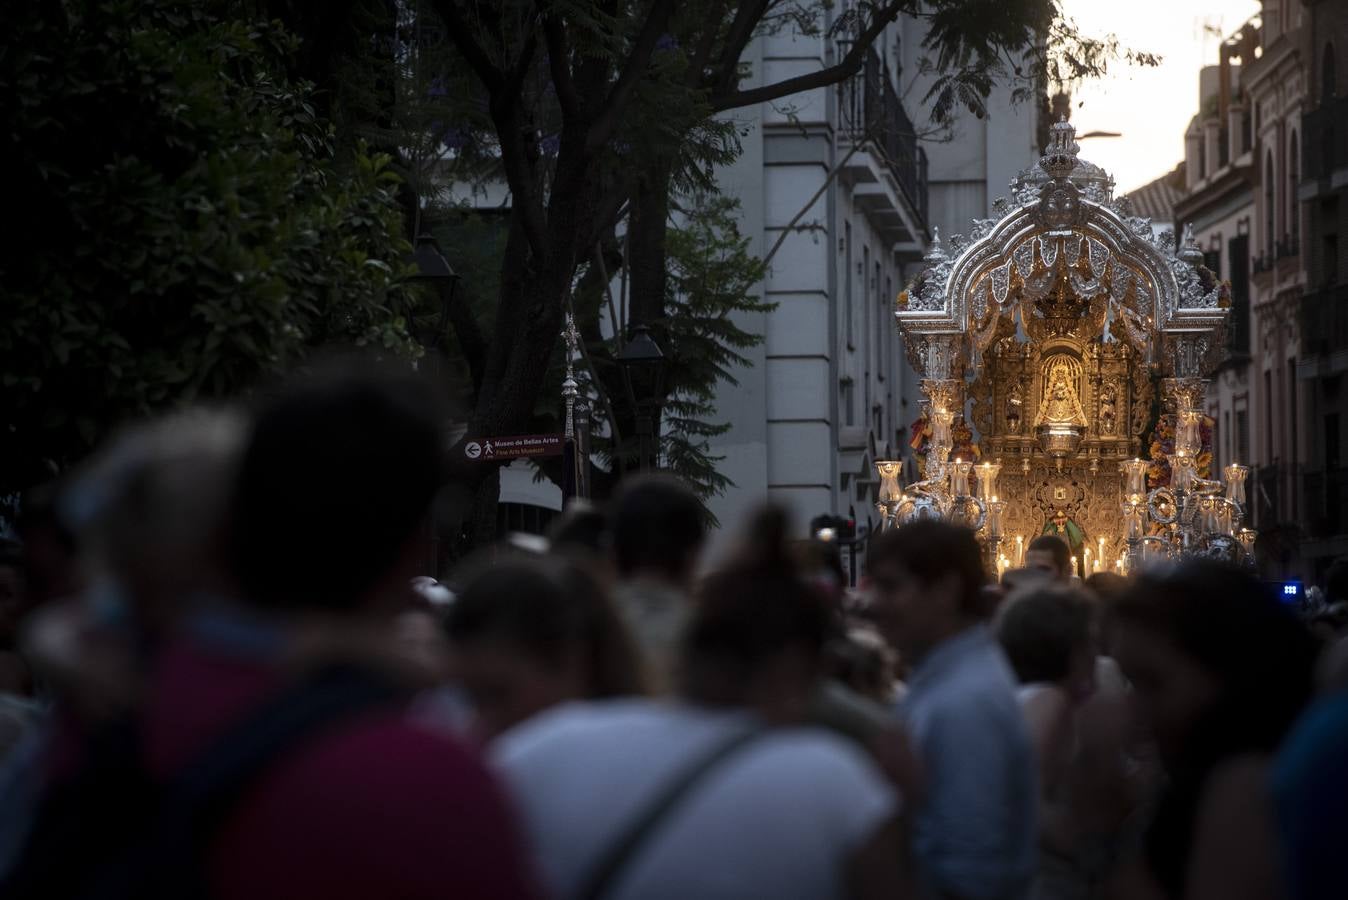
622 851
170 860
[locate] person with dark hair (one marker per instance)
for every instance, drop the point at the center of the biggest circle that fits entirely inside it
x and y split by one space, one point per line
1050 553
1310 793
724 793
273 753
658 527
1045 633
1220 671
974 833
527 635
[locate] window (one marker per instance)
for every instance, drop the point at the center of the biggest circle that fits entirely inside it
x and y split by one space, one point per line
1226 432
1213 260
865 338
1243 436
1268 416
1238 261
1292 427
1328 88
847 284
887 330
1328 81
1268 204
1293 213
846 401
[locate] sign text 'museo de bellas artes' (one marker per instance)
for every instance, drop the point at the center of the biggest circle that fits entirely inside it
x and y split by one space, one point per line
513 446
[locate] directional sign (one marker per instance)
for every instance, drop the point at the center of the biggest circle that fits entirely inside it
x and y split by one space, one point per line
514 446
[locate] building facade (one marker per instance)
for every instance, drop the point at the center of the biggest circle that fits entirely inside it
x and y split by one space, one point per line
1275 87
829 391
1218 204
1266 162
1323 196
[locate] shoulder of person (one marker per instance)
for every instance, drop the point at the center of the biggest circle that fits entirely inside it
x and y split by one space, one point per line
578 723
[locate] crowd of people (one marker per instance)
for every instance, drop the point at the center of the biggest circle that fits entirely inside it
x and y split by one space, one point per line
223 673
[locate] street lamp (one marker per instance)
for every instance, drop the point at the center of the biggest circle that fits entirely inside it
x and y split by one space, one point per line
643 368
434 269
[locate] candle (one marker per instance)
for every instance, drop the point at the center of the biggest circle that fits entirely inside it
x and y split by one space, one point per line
959 477
994 522
1088 559
1235 482
1020 550
1100 557
987 480
1135 480
889 471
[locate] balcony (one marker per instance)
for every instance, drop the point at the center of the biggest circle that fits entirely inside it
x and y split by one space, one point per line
872 116
1324 330
1324 146
1262 263
1288 247
1326 493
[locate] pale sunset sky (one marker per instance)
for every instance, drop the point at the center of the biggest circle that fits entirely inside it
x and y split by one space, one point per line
1150 106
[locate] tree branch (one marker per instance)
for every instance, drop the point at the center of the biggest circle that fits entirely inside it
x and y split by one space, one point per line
559 61
471 341
850 65
616 102
473 52
697 65
781 238
514 83
747 16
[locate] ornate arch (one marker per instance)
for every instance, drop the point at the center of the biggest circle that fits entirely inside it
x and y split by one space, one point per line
1064 224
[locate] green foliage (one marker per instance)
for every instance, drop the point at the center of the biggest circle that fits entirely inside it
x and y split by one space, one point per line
712 280
188 224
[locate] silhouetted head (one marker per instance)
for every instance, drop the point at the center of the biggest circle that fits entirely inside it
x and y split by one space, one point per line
1051 554
1217 664
529 633
658 529
927 581
1045 633
335 481
758 629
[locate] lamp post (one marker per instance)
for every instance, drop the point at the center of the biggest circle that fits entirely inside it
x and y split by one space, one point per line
643 367
434 269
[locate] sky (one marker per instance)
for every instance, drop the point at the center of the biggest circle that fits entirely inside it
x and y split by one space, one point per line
1150 106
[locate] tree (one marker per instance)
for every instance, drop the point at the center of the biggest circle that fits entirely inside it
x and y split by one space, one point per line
189 224
600 106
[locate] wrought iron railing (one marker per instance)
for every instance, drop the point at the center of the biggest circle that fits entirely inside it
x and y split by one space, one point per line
1289 246
871 111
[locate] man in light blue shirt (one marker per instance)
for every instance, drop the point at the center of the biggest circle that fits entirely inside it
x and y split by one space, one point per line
975 836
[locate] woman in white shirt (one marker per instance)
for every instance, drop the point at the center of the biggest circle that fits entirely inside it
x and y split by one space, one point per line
722 792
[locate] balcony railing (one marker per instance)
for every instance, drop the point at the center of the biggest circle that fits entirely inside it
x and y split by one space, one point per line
1326 493
1262 263
1289 246
871 111
1324 321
